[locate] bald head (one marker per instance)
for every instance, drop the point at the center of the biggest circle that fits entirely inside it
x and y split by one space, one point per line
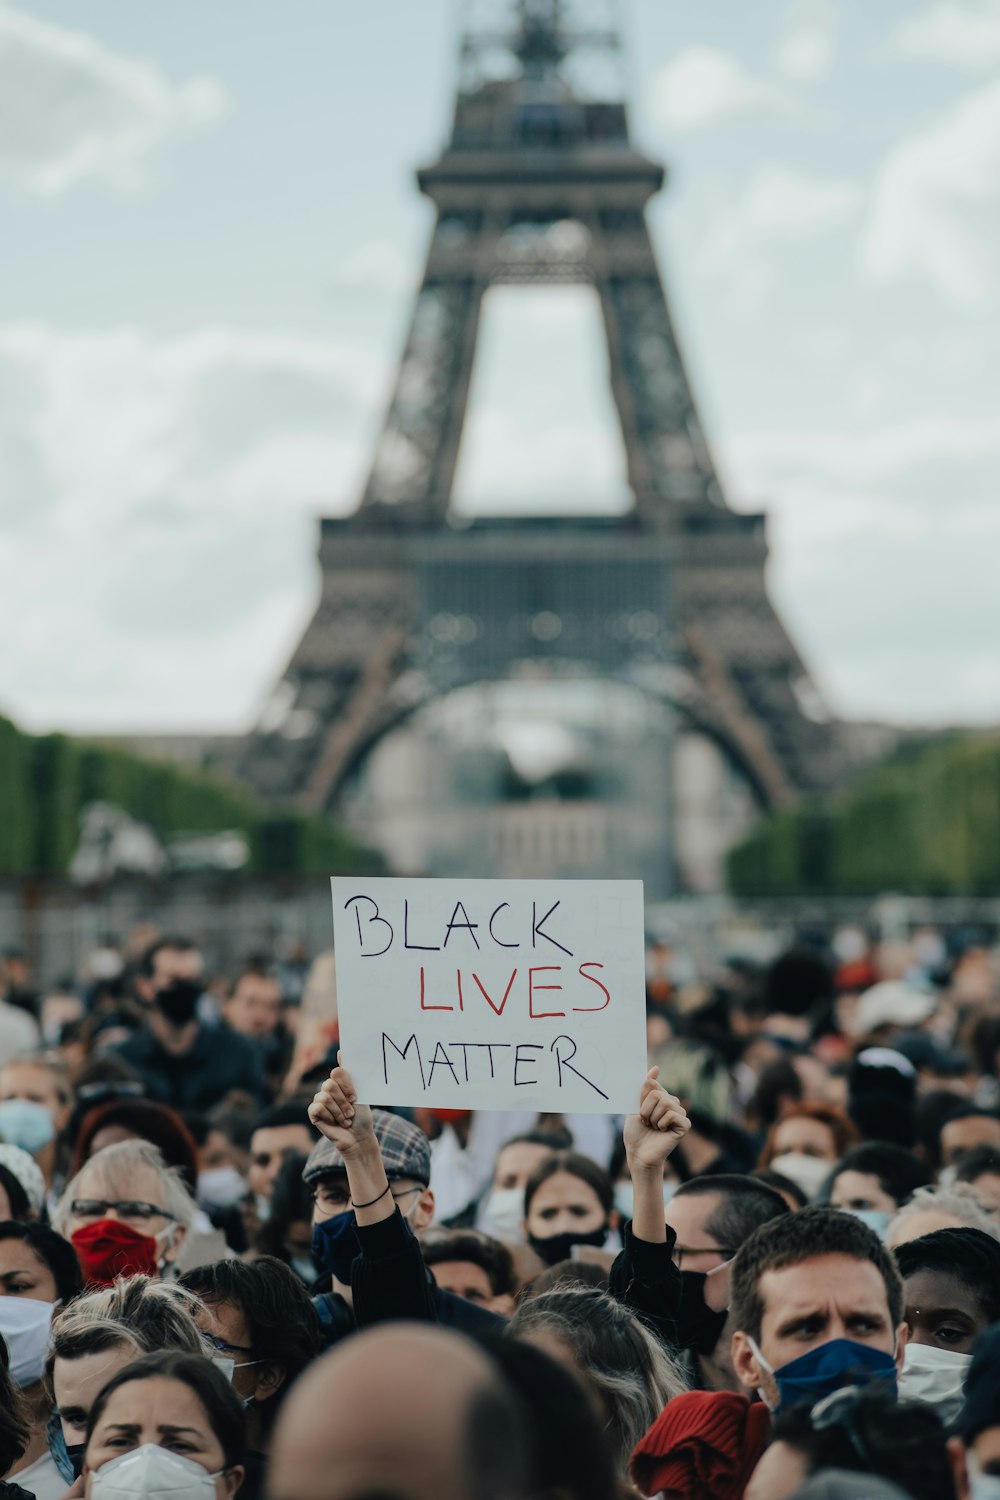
402 1412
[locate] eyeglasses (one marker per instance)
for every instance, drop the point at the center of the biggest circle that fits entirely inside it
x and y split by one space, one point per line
680 1252
128 1208
339 1199
840 1409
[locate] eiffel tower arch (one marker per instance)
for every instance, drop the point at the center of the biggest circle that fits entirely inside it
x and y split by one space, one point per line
541 184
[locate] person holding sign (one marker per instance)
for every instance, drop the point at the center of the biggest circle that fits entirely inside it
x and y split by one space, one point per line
387 1275
371 1174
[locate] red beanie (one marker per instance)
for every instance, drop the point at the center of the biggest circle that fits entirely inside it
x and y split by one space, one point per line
704 1445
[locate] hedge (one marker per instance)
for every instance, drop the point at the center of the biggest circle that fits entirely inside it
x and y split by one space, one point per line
926 824
47 780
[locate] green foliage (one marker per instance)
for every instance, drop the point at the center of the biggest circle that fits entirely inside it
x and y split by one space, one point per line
46 781
926 824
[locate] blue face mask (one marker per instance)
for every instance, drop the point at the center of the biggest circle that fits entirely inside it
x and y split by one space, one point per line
26 1124
876 1218
826 1368
336 1246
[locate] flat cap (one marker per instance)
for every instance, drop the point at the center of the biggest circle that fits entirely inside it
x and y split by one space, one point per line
405 1151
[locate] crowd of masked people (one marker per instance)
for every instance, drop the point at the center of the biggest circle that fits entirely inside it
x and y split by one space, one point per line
223 1273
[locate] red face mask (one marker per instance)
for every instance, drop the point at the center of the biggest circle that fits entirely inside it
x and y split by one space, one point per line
109 1248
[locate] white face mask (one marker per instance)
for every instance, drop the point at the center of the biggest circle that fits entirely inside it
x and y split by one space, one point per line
982 1486
503 1215
220 1187
149 1472
25 1325
936 1376
807 1172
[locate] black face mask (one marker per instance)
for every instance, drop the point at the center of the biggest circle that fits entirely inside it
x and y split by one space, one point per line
556 1247
75 1452
698 1327
178 1002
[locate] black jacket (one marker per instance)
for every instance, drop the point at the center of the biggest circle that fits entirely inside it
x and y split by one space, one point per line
220 1060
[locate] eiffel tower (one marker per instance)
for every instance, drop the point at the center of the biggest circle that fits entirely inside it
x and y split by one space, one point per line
541 184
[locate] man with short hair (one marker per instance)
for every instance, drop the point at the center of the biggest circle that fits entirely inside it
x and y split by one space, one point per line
965 1128
412 1412
816 1304
183 1061
711 1217
473 1266
283 1130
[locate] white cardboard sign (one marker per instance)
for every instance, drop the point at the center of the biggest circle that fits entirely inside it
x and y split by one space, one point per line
492 994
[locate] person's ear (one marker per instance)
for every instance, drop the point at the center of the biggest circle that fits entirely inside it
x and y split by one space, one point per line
748 1371
902 1338
423 1214
172 1251
959 1467
270 1379
231 1480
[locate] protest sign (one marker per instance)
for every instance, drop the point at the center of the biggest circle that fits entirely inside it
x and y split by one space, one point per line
492 994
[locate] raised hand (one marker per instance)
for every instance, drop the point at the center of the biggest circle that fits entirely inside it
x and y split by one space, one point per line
337 1113
660 1125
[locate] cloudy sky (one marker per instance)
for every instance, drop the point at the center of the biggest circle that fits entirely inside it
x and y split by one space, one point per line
209 234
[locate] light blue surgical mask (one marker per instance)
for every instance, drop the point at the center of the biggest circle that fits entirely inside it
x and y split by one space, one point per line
26 1124
876 1218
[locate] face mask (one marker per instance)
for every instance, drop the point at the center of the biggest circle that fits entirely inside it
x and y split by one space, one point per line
699 1328
827 1368
503 1215
108 1248
263 1207
149 1472
220 1187
936 1376
26 1124
304 1269
876 1218
178 1003
552 1248
624 1199
25 1324
807 1172
336 1246
982 1486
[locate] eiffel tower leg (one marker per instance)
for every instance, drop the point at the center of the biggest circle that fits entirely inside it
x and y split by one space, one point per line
668 456
417 451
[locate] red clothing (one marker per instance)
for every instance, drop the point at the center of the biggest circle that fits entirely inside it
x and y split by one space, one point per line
704 1445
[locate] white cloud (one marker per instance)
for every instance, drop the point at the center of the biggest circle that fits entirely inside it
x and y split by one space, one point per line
935 202
71 108
702 86
377 266
158 499
806 53
963 35
864 459
784 207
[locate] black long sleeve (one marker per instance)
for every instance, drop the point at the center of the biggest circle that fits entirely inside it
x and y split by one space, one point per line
645 1280
389 1279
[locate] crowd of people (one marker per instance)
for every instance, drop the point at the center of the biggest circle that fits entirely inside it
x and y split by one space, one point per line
222 1272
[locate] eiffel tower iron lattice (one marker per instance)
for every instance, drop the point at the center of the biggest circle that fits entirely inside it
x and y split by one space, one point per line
541 184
